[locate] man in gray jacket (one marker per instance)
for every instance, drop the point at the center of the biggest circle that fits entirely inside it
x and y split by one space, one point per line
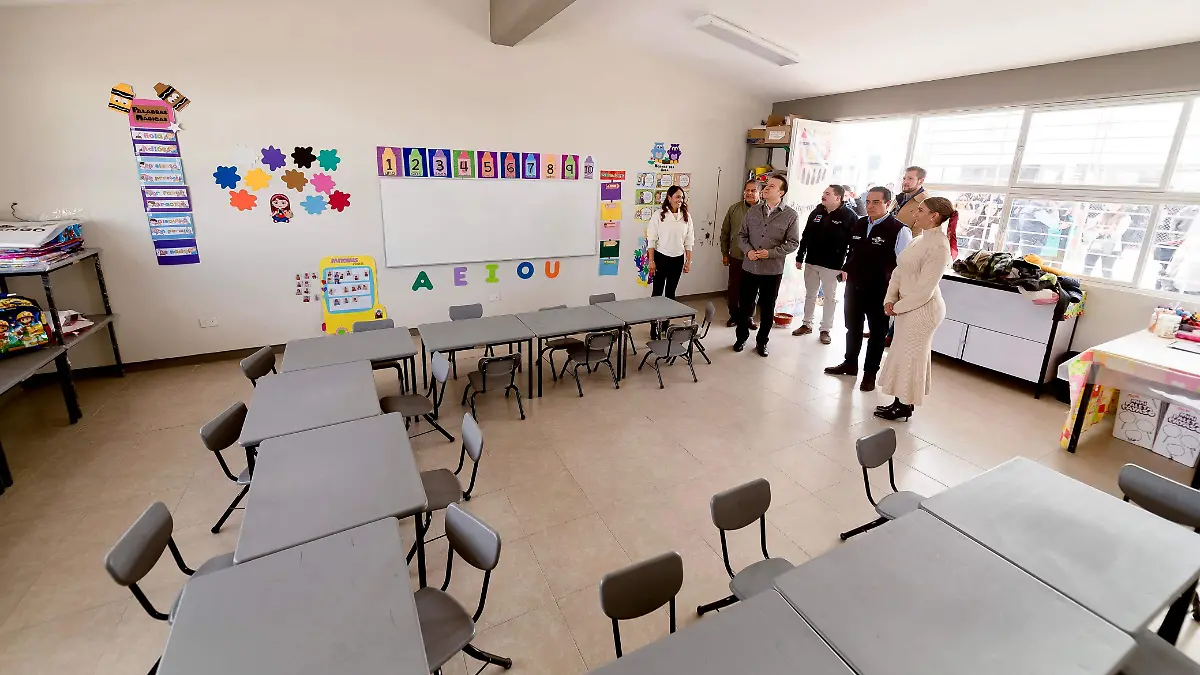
770 231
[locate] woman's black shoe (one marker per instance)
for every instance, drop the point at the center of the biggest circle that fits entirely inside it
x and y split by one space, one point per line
894 414
895 402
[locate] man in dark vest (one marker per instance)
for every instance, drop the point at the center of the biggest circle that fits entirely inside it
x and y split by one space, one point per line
875 241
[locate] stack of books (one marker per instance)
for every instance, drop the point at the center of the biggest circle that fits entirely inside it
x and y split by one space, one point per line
28 245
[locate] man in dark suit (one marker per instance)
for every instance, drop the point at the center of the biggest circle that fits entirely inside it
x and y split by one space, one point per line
875 241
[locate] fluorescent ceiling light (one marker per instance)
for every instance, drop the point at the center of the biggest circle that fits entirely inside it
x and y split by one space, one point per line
745 40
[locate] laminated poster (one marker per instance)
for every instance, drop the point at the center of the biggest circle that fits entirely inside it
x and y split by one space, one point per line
642 197
550 168
608 267
570 167
510 165
647 180
487 164
610 230
610 249
464 163
439 163
610 210
610 191
166 198
350 292
531 166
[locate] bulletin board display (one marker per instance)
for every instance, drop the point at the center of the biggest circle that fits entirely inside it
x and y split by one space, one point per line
350 291
436 222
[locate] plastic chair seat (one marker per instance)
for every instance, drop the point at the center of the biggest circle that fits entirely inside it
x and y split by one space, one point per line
214 564
758 577
409 405
665 348
243 478
1155 656
582 354
441 488
899 504
445 626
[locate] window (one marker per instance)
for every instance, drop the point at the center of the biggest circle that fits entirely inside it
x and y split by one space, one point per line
1174 263
1187 168
979 217
1092 239
1104 146
974 149
870 153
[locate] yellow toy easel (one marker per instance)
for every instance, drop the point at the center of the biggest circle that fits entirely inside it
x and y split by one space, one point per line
348 284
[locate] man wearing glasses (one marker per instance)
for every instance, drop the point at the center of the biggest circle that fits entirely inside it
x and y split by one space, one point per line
875 241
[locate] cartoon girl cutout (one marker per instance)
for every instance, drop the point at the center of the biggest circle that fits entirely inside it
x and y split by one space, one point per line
281 208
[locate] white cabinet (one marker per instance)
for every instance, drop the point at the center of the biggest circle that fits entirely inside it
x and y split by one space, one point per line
1000 329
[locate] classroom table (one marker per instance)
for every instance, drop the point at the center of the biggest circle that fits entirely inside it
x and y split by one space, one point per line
1119 561
1140 362
377 346
289 403
487 331
341 604
763 635
917 597
555 323
644 310
324 481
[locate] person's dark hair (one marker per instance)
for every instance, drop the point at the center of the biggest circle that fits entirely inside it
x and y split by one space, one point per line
752 181
887 194
783 187
847 189
840 191
919 170
666 204
940 206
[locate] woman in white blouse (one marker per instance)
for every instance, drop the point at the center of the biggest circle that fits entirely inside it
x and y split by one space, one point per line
670 238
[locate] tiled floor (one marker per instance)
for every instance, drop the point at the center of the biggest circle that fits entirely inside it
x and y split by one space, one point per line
584 486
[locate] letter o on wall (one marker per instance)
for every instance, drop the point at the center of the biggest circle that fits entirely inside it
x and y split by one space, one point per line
525 270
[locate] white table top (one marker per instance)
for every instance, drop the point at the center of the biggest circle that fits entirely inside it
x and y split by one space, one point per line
288 403
342 604
916 597
1151 350
317 483
569 320
390 344
641 310
1121 562
488 330
762 636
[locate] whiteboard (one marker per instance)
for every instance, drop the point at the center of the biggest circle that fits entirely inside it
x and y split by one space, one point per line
435 221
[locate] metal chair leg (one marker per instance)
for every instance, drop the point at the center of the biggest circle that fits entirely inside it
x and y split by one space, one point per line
703 353
863 528
658 372
553 372
719 604
487 657
693 369
1195 607
232 505
520 406
613 372
449 437
643 360
577 384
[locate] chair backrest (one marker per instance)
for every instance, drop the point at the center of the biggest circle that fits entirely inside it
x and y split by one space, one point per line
137 551
224 429
1160 495
602 341
679 339
439 366
474 542
376 324
472 437
497 366
738 507
877 449
710 311
640 589
460 312
602 297
258 364
552 307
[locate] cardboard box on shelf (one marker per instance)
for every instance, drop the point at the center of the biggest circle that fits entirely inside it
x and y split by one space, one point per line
770 134
1137 420
1179 435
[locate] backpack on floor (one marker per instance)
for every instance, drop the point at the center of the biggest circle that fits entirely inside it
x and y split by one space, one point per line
22 325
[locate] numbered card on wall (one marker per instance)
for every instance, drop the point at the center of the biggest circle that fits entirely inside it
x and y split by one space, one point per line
531 166
415 165
487 164
589 168
387 160
550 168
464 163
510 165
439 163
570 167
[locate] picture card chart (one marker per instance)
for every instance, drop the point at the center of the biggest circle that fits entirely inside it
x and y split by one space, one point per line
165 195
611 183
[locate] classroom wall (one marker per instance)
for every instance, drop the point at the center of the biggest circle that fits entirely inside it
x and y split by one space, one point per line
1111 311
348 76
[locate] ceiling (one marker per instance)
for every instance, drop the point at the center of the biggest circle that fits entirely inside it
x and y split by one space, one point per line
877 43
866 44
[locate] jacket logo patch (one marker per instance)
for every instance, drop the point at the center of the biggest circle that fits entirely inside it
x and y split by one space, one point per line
817 218
877 240
857 237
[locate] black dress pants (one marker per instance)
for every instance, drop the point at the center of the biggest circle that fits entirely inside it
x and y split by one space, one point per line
667 270
766 286
865 304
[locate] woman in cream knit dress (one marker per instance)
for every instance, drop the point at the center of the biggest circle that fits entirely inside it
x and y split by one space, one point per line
914 299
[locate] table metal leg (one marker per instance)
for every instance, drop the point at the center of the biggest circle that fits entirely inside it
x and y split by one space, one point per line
1173 622
424 372
620 352
1085 397
412 373
420 549
530 343
251 453
67 383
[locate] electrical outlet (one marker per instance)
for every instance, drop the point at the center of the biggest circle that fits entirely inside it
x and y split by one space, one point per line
494 297
210 322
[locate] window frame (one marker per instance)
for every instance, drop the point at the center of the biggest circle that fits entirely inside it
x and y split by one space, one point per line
1156 196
